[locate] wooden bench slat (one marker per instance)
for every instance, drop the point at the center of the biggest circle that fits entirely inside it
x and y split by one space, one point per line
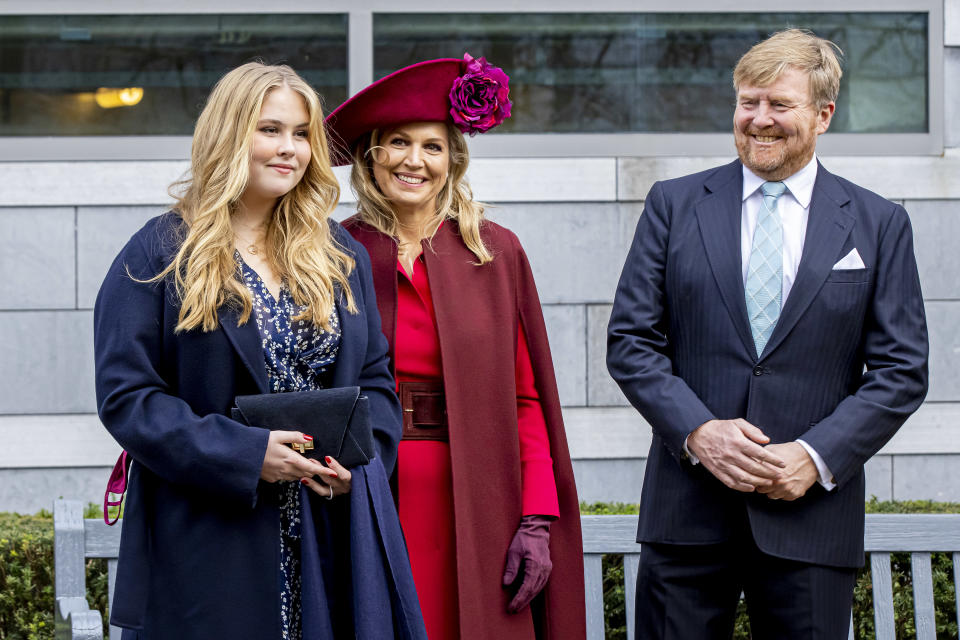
100 540
912 532
593 585
631 565
111 581
68 562
923 596
956 578
610 534
882 596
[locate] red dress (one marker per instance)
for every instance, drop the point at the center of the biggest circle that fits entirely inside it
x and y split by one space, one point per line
424 471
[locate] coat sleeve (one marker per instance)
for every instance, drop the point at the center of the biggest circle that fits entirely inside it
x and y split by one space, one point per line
536 464
135 400
375 378
895 349
637 344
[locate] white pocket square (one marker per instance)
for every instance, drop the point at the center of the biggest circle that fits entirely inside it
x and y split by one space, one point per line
850 261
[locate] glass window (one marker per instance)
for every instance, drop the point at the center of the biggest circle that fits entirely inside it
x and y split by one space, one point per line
149 74
663 72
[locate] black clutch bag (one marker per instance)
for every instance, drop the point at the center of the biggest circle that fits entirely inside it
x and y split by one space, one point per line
338 420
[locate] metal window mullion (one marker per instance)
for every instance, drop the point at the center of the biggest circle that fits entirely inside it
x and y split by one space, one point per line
359 50
936 91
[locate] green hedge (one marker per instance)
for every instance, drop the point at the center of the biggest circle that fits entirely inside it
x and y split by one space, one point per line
863 622
26 576
26 579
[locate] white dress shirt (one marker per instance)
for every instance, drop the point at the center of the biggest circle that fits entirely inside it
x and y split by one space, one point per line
794 209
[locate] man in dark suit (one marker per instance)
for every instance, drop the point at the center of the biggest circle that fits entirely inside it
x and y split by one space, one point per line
769 326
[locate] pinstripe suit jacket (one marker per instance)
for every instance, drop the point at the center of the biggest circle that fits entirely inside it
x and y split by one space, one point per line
844 368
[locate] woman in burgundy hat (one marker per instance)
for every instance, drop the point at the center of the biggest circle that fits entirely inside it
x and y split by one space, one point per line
484 481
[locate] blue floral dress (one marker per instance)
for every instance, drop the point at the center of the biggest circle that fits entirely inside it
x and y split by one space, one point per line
298 356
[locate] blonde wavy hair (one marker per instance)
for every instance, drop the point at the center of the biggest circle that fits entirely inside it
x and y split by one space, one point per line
797 48
454 201
299 243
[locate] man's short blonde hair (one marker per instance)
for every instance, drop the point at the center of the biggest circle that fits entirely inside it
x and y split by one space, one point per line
797 48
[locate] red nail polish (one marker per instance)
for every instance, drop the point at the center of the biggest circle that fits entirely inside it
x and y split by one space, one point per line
303 481
328 459
306 437
334 475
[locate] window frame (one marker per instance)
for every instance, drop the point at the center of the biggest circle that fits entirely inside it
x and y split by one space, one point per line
360 74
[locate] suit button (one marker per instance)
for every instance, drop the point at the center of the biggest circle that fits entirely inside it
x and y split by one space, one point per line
758 370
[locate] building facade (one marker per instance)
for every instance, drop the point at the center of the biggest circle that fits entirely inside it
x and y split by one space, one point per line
606 102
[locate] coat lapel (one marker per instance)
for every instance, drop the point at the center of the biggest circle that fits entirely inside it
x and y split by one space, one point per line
718 215
450 267
245 340
382 250
828 226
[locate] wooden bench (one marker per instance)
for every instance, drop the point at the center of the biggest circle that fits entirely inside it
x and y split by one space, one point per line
76 539
918 534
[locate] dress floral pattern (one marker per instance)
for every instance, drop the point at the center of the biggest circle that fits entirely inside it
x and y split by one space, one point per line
298 357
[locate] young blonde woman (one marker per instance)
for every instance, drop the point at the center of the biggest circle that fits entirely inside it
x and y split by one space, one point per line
484 482
247 287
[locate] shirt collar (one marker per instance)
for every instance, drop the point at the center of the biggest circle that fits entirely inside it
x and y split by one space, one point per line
800 184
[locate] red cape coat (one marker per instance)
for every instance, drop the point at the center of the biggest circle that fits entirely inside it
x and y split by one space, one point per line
479 310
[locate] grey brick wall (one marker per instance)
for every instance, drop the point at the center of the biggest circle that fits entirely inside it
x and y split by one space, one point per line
56 258
37 258
48 358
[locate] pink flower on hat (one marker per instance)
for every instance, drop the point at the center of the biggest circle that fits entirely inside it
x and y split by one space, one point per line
479 98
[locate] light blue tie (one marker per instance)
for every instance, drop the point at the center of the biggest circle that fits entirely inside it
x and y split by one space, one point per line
764 286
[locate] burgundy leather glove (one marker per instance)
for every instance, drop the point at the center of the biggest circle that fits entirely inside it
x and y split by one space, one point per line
528 560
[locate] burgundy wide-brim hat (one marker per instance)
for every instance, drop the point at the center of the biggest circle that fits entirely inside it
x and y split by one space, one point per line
470 93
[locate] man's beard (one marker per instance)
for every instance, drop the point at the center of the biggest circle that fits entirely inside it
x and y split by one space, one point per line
783 162
762 161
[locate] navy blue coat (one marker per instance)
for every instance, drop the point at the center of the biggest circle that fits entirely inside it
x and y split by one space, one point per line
199 551
845 366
